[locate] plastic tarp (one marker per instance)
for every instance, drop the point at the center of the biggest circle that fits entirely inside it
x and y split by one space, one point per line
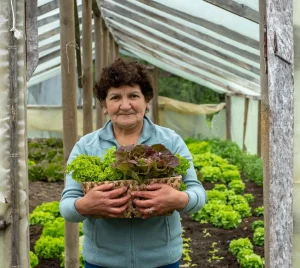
5 235
188 120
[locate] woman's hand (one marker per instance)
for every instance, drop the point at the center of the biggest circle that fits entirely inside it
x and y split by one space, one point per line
159 199
103 201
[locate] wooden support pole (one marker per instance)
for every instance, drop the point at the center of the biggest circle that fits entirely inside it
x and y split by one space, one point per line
14 177
98 65
78 45
69 100
228 117
245 122
105 45
155 114
117 53
277 108
110 49
87 66
259 129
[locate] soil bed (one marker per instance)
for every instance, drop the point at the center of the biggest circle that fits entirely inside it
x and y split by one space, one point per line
41 192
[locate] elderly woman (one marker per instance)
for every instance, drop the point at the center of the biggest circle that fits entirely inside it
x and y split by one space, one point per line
125 90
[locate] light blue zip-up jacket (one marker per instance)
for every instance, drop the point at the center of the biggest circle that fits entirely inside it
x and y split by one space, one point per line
131 243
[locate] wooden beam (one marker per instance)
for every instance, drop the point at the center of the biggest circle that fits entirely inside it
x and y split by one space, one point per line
228 117
98 66
117 50
201 65
105 45
204 23
69 100
154 103
245 123
13 140
78 49
277 101
111 48
172 33
87 67
32 37
259 129
237 9
96 10
168 22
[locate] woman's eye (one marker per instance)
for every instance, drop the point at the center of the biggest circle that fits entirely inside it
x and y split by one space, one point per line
114 98
134 96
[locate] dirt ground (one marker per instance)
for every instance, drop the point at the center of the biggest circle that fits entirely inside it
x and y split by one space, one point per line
201 243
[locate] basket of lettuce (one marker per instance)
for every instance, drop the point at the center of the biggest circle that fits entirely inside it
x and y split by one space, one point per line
133 166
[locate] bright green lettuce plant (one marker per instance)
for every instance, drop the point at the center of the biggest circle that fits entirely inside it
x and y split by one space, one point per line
259 211
211 174
237 186
252 261
237 245
46 212
257 224
34 260
258 236
220 187
137 162
49 247
243 209
249 198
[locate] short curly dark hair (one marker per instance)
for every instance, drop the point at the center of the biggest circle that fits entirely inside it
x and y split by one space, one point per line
121 73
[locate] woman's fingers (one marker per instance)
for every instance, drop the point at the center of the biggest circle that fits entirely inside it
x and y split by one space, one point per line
119 201
143 203
103 187
117 211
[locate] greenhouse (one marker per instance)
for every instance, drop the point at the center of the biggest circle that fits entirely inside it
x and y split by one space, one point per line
225 77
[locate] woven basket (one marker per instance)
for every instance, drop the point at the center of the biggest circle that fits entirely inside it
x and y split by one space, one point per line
133 185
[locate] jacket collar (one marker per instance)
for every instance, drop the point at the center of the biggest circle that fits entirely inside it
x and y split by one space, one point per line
107 133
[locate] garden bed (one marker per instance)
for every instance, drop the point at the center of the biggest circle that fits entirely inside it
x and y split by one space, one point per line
203 236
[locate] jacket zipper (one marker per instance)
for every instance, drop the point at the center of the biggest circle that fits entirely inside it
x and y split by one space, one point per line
131 245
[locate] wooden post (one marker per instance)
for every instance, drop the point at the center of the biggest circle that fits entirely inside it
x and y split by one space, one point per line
69 100
155 112
112 48
87 66
259 129
245 123
117 52
111 52
105 45
14 177
78 45
277 107
228 117
98 65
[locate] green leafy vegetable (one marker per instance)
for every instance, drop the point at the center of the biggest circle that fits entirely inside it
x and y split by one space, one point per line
128 162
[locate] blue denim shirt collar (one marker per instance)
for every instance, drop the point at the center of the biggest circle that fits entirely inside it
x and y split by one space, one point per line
107 133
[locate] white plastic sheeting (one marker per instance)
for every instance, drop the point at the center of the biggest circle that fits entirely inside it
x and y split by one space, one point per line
5 235
167 38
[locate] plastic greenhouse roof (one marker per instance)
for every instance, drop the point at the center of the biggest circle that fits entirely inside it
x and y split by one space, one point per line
193 39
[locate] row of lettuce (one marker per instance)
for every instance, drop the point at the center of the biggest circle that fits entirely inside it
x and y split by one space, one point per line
223 164
50 245
219 162
46 160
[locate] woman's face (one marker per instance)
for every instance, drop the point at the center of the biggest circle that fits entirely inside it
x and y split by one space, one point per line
126 106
